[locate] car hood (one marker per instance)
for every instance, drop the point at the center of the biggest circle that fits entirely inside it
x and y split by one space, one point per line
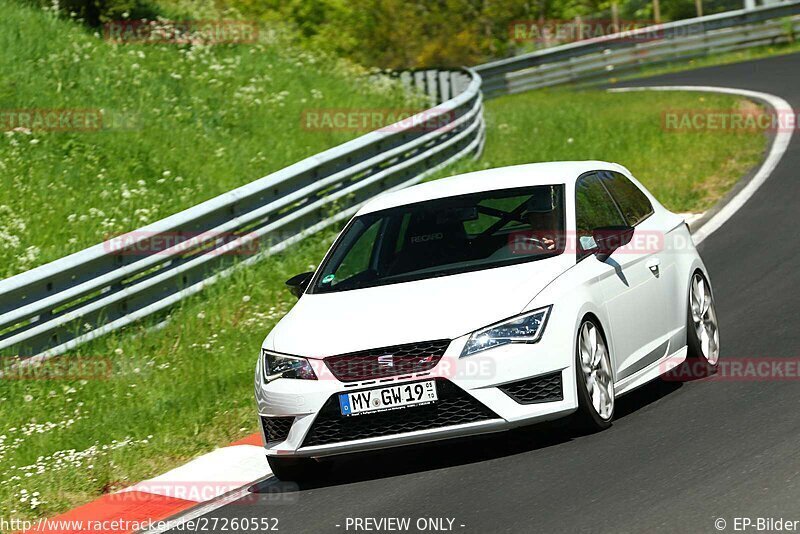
445 307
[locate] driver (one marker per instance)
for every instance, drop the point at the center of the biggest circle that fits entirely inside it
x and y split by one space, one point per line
542 216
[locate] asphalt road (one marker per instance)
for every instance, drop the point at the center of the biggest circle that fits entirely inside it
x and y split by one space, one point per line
679 455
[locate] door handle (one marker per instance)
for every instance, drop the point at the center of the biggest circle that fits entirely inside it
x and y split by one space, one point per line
654 265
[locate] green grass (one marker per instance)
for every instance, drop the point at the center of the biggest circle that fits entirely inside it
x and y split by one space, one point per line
196 375
181 124
187 388
687 171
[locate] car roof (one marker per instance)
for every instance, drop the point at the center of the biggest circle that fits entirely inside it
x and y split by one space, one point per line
531 174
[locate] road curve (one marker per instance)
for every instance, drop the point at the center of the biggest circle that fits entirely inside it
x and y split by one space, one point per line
678 457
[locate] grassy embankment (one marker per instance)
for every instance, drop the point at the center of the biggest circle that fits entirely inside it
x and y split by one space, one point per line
180 124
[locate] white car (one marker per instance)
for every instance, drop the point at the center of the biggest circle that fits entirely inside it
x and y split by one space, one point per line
478 303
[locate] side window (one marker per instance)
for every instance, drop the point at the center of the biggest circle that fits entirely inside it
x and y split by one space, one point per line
593 209
632 201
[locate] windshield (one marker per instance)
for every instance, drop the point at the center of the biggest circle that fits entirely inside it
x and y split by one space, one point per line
446 236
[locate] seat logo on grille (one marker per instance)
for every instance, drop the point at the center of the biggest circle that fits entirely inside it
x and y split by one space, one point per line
387 360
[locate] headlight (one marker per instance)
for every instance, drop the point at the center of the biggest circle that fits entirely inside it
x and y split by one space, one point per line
525 328
285 366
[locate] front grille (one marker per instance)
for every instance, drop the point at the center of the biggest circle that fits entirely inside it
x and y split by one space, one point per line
454 407
544 388
277 428
376 363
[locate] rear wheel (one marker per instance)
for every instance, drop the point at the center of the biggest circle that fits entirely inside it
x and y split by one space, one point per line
594 377
297 469
702 330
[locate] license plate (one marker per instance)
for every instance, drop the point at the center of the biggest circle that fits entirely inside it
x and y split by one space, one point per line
388 398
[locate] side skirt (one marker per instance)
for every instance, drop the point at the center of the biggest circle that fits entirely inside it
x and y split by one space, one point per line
652 371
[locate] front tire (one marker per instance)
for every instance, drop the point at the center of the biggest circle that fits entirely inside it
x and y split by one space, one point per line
595 379
702 335
296 469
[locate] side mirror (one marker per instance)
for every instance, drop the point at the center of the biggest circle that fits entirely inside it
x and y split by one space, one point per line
610 238
298 283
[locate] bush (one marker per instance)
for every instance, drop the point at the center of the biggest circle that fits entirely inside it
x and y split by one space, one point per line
96 12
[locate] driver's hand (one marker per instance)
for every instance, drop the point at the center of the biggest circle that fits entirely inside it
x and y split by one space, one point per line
548 243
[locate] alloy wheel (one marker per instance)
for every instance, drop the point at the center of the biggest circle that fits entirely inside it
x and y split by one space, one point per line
596 368
704 318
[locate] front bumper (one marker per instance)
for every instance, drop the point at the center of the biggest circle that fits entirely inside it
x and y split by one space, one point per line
480 383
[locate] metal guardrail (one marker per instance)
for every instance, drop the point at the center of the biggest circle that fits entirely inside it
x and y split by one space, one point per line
610 55
53 308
